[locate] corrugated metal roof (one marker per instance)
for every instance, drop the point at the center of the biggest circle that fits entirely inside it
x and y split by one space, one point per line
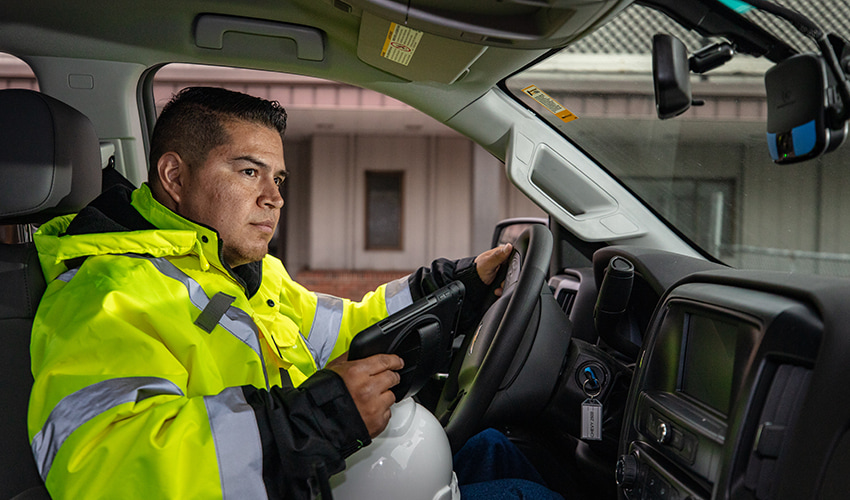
631 33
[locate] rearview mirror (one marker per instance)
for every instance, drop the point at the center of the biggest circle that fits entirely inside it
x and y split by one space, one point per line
670 76
798 124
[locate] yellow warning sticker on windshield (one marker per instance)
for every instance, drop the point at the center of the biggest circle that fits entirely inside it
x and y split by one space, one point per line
401 44
551 104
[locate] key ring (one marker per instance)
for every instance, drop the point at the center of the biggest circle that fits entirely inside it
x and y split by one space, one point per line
586 393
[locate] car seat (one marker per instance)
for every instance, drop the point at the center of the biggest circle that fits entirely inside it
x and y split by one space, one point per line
49 165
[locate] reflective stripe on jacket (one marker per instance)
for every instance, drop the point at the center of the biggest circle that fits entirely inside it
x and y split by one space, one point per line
157 372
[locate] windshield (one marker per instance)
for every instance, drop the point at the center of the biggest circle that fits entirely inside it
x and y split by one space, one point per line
708 171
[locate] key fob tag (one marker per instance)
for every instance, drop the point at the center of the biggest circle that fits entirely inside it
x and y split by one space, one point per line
591 420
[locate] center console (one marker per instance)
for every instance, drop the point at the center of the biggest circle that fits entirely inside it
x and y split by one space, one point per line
716 393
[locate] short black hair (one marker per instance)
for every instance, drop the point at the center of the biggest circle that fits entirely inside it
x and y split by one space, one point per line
192 123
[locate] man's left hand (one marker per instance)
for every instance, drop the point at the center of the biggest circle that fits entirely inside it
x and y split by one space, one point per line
487 264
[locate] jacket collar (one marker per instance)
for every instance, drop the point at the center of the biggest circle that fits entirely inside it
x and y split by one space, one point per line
120 221
207 239
208 243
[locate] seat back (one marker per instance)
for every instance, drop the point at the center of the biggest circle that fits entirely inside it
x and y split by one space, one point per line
49 165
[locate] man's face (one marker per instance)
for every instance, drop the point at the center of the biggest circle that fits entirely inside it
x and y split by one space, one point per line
236 191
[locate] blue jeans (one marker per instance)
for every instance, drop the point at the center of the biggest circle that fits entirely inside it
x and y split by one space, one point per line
491 467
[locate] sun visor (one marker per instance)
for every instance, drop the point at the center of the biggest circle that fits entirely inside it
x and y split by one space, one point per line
412 54
519 24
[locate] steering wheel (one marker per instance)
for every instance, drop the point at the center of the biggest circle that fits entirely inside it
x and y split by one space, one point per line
475 378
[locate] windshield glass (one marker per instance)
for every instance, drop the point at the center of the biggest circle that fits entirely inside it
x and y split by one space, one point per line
708 172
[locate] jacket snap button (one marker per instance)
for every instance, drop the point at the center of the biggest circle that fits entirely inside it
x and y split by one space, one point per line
204 239
270 302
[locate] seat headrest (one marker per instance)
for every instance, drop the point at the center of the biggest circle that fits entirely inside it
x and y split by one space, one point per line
49 158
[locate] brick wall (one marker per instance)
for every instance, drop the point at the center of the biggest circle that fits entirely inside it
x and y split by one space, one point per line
344 283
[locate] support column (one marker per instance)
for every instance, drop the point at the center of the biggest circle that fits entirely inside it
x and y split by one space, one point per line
486 197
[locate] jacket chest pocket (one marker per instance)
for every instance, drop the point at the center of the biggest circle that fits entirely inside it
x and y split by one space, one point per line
281 333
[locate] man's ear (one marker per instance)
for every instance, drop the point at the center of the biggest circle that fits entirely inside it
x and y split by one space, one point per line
173 173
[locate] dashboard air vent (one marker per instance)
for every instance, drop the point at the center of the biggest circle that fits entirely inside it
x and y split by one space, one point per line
566 298
783 403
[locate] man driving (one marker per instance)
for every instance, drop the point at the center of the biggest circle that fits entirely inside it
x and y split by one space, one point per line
174 358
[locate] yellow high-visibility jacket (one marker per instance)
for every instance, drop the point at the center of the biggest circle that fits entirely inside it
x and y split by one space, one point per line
162 373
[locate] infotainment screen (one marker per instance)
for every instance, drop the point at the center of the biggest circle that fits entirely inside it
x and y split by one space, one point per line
708 362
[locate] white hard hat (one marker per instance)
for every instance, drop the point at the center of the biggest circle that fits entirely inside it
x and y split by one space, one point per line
410 460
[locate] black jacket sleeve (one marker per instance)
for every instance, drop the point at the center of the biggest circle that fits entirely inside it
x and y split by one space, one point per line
306 432
477 298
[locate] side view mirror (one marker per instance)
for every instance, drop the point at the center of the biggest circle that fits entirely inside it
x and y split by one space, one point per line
799 102
670 76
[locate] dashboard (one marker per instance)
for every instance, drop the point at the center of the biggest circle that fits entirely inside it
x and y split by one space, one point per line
741 383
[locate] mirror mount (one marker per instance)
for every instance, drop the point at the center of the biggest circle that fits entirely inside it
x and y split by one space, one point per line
710 57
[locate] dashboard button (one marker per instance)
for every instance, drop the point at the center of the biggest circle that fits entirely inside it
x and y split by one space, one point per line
689 449
678 440
659 489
